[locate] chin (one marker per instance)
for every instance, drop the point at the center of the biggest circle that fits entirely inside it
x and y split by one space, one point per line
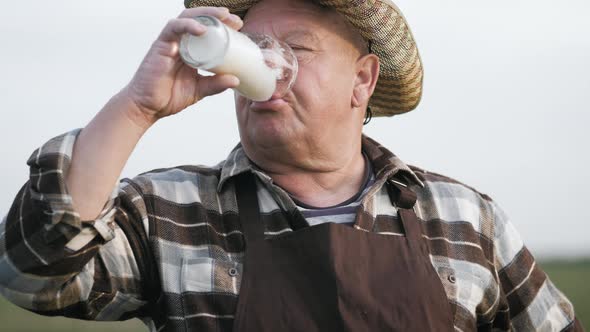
267 133
268 136
268 127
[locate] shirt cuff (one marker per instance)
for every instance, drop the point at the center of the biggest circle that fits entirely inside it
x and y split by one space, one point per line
49 166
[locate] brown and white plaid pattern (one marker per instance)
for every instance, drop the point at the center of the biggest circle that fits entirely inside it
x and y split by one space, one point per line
168 247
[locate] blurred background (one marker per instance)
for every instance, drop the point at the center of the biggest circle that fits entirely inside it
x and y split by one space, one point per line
504 110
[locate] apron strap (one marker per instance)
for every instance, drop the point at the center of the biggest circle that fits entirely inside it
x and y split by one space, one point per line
248 209
404 199
253 227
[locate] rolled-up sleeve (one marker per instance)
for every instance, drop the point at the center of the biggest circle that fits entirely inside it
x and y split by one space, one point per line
54 263
530 301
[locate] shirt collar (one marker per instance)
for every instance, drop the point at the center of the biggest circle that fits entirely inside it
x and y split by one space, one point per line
236 163
385 163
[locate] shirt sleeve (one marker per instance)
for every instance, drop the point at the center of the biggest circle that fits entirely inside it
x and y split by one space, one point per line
529 301
54 263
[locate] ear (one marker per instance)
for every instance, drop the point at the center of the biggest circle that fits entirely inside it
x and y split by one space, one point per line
367 73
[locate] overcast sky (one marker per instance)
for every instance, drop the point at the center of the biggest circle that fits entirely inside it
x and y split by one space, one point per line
504 107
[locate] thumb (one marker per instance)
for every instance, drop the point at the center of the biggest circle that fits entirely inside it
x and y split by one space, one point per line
212 85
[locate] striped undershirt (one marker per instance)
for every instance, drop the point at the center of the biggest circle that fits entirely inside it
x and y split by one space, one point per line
343 213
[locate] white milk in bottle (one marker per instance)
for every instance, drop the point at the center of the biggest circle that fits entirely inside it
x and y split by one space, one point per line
264 65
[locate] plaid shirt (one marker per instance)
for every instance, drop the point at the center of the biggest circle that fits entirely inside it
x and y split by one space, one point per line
168 245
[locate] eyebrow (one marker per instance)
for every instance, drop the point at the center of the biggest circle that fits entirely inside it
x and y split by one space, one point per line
300 33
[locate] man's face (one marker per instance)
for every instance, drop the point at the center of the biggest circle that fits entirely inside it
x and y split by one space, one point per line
318 107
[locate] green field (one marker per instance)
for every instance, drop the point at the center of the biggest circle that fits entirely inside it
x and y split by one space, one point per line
572 277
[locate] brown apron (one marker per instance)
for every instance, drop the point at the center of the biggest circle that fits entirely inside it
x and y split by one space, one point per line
333 277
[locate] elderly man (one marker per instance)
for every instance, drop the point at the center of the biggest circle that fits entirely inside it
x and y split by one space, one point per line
307 225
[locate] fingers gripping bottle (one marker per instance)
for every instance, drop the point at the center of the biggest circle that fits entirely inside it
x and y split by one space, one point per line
264 65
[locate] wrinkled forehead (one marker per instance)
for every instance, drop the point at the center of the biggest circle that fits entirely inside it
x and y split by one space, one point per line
295 12
311 6
305 18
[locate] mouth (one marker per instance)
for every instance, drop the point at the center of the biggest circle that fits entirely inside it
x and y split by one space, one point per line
270 105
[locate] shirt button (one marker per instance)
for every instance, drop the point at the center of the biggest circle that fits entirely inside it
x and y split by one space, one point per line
233 272
365 315
452 278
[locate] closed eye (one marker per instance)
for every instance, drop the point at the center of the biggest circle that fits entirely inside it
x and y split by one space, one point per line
299 48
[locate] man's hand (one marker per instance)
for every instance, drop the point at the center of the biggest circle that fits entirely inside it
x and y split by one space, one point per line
163 84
